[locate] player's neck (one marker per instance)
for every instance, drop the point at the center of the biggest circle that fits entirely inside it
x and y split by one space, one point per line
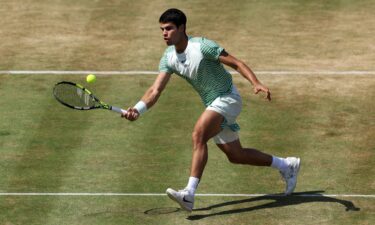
181 46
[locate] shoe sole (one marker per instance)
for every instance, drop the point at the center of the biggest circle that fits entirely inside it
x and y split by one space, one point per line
176 200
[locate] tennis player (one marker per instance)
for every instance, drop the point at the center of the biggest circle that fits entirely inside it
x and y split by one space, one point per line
200 62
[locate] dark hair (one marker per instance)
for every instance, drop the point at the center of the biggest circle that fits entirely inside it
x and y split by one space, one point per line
173 15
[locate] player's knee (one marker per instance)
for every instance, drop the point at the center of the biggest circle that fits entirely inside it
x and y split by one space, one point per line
198 137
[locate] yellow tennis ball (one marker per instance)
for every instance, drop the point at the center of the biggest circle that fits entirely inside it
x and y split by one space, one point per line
91 78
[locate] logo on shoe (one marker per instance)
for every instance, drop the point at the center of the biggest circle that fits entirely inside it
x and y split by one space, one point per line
185 200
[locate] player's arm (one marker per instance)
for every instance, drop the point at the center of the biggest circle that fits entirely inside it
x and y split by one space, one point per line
245 71
149 98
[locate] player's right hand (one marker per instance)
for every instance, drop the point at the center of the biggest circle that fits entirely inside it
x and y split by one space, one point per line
132 114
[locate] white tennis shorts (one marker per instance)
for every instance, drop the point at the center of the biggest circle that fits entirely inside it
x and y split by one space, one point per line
230 107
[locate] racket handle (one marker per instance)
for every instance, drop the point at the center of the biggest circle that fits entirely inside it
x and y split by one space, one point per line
119 110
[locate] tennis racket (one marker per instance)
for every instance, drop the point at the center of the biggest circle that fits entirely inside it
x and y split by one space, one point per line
75 96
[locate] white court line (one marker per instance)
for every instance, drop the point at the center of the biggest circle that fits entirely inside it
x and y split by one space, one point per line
203 195
76 72
144 72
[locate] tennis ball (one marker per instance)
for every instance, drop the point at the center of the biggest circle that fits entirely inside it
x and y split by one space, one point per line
91 78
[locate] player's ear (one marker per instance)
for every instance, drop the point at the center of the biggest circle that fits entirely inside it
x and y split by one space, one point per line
182 28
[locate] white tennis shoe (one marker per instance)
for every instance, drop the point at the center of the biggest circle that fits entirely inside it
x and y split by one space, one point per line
290 174
183 197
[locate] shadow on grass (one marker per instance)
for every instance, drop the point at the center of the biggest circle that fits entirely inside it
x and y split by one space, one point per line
279 201
162 210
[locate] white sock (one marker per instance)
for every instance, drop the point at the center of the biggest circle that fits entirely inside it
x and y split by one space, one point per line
192 184
279 163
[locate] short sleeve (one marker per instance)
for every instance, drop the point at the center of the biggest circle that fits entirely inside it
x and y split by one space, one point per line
210 49
163 64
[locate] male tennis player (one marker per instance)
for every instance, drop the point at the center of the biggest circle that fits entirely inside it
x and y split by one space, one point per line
200 62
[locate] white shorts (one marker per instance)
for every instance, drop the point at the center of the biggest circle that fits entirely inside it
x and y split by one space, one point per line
230 107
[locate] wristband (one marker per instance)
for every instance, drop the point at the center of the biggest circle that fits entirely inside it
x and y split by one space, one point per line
141 107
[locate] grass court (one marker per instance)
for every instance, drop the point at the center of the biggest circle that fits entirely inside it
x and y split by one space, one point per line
326 119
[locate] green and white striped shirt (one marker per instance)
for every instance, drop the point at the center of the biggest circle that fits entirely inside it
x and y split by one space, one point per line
199 65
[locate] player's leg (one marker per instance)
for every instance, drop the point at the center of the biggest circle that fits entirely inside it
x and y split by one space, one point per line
220 113
288 167
207 126
237 154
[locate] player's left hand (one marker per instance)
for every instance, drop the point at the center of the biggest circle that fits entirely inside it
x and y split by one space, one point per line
260 87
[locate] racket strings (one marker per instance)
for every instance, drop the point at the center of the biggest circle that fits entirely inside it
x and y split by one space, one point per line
74 96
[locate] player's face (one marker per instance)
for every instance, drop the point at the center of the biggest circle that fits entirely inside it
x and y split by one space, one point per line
171 34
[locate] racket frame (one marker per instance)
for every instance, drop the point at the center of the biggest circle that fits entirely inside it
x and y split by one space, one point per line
100 105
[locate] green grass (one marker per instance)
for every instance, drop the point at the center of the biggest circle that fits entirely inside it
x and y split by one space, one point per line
125 35
49 148
328 121
131 210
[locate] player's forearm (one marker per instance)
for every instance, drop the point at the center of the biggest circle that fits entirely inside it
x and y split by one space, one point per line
151 97
146 102
247 73
239 66
153 93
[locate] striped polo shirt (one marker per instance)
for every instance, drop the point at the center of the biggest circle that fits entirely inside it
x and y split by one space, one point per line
200 66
